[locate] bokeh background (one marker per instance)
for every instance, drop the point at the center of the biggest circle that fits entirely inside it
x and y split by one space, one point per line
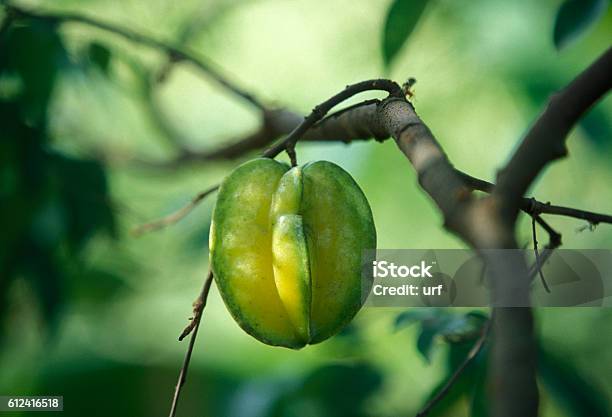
92 313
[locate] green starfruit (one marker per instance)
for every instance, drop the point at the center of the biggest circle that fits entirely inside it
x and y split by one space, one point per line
286 247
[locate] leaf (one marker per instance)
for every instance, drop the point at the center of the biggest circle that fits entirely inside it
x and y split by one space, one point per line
37 68
572 390
94 286
425 342
430 320
402 17
597 128
44 274
459 328
478 315
574 17
83 187
100 56
455 328
407 318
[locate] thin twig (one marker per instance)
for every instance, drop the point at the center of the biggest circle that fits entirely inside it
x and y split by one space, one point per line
531 205
553 243
322 109
537 253
474 351
554 237
175 53
199 305
591 217
175 216
533 208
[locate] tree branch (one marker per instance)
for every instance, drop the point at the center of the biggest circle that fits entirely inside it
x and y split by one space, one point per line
532 206
479 223
513 355
545 141
288 143
591 217
361 121
175 53
358 122
275 123
322 109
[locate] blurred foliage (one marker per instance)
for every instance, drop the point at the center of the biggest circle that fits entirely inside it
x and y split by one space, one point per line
402 17
574 17
578 396
571 390
337 390
115 305
460 331
99 55
469 387
52 203
433 322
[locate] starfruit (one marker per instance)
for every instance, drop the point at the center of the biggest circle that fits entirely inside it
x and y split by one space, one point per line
286 248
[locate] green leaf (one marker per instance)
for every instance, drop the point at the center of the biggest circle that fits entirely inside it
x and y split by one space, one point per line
35 54
409 317
597 128
425 342
100 56
461 328
454 328
83 187
402 17
44 273
574 17
94 286
478 315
